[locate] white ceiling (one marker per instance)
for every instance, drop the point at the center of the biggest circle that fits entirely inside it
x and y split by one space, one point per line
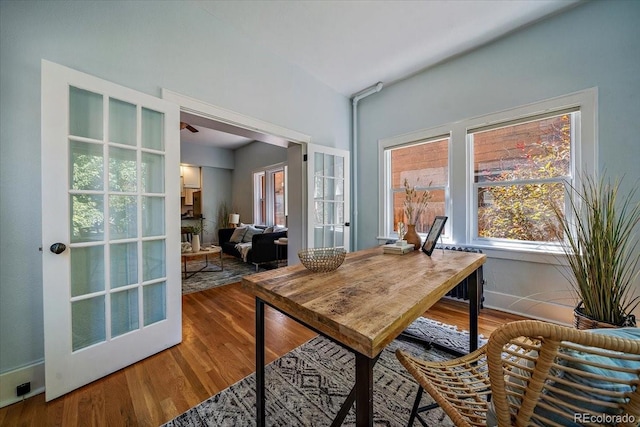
351 45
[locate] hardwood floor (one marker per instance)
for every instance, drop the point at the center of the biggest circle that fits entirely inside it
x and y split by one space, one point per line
217 351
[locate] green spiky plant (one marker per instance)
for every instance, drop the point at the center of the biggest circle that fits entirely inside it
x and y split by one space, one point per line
602 248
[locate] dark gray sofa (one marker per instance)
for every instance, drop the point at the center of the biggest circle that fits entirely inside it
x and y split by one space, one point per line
263 250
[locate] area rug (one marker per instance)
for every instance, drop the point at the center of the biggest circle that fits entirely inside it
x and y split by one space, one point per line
307 386
234 269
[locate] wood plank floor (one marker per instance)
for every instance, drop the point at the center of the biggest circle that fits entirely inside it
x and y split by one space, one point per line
217 351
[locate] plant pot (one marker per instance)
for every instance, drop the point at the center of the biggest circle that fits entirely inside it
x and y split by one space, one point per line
195 243
412 237
582 321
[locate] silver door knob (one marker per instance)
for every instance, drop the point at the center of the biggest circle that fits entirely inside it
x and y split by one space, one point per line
58 248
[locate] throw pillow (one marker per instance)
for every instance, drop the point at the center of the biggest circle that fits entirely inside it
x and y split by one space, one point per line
251 231
268 230
238 234
278 228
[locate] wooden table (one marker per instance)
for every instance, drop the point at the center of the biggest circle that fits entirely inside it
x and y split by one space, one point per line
363 305
203 252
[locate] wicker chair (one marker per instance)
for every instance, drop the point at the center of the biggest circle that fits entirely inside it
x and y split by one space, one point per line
537 373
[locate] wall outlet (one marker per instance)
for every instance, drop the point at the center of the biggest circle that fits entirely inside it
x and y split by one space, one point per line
23 389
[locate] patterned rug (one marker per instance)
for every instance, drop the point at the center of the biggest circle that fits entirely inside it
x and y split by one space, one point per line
307 386
210 277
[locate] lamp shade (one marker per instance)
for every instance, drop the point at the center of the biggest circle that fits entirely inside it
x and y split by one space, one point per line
234 218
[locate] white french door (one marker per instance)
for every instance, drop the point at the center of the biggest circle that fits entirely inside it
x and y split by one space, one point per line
328 197
110 227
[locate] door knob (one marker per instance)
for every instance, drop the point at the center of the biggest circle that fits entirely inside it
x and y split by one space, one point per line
57 248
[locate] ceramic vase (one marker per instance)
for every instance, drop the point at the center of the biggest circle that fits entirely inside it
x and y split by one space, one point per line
195 243
412 237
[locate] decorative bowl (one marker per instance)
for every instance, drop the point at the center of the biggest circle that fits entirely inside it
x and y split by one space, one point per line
321 260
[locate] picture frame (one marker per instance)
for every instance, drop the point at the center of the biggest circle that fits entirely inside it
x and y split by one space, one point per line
436 229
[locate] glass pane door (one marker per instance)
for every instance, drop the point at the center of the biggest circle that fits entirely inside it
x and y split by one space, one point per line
329 197
112 293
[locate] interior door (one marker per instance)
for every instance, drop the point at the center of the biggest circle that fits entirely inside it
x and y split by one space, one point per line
110 227
328 197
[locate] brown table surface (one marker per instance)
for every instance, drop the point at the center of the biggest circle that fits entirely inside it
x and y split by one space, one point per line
370 299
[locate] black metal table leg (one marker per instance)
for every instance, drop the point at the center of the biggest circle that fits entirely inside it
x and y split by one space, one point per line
474 281
364 390
260 395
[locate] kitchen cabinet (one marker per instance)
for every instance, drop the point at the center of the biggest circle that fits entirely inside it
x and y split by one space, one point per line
191 176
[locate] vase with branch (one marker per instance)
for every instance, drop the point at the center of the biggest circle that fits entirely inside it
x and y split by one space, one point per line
415 203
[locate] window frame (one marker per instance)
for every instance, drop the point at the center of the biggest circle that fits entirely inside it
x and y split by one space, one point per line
267 174
385 226
461 205
571 178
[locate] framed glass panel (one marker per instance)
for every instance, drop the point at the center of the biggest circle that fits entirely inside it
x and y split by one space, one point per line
87 270
88 324
329 160
123 217
329 241
153 258
122 122
124 264
87 166
123 170
124 312
87 217
152 129
153 216
154 302
329 189
85 114
152 173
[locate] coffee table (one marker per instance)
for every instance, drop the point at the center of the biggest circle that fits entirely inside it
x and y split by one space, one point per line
203 252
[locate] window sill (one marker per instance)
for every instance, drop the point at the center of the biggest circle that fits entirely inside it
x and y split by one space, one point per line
515 253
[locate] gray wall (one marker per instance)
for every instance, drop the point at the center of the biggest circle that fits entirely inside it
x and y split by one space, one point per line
596 44
216 189
145 46
248 159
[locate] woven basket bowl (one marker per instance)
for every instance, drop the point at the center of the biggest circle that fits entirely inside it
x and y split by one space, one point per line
321 260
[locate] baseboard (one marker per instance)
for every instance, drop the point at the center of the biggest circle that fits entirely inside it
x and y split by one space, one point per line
536 309
10 380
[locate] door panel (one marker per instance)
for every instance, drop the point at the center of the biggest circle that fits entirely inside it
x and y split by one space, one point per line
328 196
110 176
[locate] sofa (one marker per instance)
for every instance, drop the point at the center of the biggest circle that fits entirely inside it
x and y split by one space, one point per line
262 248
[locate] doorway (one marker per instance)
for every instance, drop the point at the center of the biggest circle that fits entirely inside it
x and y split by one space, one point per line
200 114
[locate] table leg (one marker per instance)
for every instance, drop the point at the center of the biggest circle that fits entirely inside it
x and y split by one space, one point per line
260 395
474 281
364 390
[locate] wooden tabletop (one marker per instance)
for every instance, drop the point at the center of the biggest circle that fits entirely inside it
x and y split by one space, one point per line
370 298
206 251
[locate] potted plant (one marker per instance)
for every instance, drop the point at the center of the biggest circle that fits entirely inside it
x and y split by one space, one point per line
602 251
196 228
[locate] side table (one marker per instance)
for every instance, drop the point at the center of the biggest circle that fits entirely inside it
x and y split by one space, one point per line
279 245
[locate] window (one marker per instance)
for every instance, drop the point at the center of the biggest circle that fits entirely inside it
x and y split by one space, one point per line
270 196
519 171
425 165
494 176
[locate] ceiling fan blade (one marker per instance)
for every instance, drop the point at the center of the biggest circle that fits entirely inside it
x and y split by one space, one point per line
184 125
